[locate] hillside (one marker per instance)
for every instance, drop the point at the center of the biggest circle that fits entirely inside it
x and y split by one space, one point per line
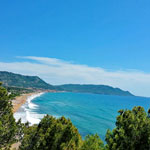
16 80
34 82
96 89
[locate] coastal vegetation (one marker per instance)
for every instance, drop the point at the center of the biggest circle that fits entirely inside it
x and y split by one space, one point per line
17 91
9 128
21 83
132 131
52 134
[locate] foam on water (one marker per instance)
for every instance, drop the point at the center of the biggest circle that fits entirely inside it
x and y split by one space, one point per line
26 111
31 120
90 113
30 104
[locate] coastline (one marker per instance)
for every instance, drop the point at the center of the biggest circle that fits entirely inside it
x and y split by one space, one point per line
22 99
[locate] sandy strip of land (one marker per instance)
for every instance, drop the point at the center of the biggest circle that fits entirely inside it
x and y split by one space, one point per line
20 100
17 103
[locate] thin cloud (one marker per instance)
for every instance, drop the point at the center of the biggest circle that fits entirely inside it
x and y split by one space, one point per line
56 71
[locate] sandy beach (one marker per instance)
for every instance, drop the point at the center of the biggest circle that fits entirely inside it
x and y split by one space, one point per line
17 103
20 100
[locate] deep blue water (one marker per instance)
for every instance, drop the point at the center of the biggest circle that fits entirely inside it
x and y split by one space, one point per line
90 113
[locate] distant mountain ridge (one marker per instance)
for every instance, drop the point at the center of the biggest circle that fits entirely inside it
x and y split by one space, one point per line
95 89
22 81
16 80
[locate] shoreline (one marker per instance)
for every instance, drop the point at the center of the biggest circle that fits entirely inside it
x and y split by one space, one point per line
22 99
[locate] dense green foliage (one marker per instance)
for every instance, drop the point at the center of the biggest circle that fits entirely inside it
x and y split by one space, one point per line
17 80
132 131
92 142
96 89
58 134
52 134
9 129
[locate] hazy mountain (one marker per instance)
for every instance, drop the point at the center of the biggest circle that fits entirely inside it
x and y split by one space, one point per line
16 80
96 89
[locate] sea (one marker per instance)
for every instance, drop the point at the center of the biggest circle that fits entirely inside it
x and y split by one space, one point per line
90 113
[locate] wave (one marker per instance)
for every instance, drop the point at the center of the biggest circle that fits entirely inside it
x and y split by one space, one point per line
30 119
30 98
26 111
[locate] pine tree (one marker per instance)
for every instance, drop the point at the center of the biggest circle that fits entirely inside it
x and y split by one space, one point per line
8 126
51 134
92 142
132 131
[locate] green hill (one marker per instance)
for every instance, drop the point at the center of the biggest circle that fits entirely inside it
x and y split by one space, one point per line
96 89
34 82
16 80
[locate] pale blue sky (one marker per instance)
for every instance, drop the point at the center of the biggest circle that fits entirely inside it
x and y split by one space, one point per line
113 35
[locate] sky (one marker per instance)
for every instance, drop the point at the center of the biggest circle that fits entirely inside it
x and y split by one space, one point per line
83 41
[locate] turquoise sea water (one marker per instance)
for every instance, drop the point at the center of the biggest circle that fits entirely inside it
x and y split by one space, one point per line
90 113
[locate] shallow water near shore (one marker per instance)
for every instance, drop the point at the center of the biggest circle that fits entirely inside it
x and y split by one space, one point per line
90 113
